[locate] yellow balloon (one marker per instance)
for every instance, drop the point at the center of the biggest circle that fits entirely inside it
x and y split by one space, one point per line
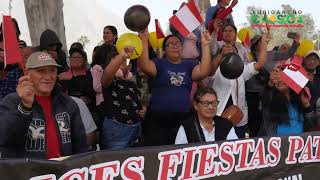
155 43
305 46
130 39
243 32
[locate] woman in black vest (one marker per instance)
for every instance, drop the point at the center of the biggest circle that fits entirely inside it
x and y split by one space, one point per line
203 125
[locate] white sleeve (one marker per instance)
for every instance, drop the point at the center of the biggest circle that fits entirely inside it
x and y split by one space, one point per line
86 116
249 71
181 137
232 134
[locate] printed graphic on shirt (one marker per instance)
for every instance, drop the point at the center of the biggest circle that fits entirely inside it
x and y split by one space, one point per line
63 120
176 79
36 135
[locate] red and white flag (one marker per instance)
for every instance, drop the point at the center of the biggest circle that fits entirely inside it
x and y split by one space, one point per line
159 31
10 43
247 41
187 19
294 75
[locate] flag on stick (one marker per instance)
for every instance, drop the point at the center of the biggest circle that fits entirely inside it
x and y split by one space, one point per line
187 19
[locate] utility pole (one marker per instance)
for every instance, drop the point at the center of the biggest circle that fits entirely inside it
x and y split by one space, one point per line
10 7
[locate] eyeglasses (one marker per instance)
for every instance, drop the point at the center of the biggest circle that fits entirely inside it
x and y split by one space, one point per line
172 45
207 103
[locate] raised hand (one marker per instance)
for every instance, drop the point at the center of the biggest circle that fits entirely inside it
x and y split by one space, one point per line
227 49
217 25
126 52
144 35
205 38
25 90
304 99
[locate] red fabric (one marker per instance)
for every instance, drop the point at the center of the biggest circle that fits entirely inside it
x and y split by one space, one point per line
221 14
195 11
159 31
247 41
295 65
175 21
179 25
10 43
52 139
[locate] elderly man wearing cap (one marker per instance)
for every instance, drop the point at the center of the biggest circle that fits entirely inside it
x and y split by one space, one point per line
39 121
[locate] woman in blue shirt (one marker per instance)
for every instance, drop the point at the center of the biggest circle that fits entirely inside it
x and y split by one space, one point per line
283 111
171 82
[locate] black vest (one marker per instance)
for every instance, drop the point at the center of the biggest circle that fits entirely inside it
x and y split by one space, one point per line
194 131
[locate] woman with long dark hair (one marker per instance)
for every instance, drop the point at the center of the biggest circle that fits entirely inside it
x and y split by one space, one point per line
110 35
283 111
256 84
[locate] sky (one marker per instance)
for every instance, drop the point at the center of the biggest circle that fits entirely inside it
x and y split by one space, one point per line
162 9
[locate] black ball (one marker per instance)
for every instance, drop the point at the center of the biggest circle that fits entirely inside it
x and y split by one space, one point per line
137 18
231 66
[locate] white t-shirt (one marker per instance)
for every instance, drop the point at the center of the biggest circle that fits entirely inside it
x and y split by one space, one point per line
181 137
86 116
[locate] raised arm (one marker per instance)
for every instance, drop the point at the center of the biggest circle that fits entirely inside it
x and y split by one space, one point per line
262 53
110 71
279 56
146 65
201 71
217 59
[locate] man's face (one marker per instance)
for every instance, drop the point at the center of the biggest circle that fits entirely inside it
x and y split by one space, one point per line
44 79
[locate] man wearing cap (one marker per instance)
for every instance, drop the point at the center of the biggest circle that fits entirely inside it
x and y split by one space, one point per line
311 63
39 121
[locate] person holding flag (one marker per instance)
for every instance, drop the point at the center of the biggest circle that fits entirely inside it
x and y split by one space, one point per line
219 12
283 110
11 59
255 85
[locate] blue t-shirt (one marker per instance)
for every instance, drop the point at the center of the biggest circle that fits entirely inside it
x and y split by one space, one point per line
170 89
296 123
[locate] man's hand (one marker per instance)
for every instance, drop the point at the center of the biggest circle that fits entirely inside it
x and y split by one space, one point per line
25 90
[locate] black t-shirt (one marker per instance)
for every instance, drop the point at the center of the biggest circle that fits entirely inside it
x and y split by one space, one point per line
79 86
122 101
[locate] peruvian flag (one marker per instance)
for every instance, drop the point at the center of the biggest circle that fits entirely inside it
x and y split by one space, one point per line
10 43
247 41
159 31
294 75
187 19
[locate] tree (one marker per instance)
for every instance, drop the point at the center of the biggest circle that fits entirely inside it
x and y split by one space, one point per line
279 34
42 15
83 40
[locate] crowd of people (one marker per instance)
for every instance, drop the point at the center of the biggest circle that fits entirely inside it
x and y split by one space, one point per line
60 105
